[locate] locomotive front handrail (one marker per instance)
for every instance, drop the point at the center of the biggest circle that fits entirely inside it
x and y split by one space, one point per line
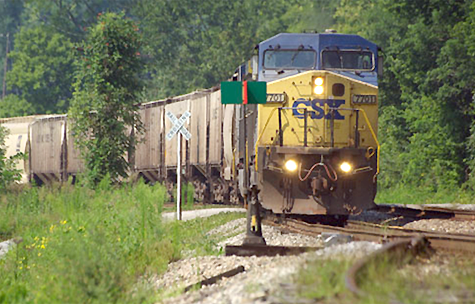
281 135
357 110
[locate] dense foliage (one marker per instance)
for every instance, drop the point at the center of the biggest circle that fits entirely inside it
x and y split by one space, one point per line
8 172
107 91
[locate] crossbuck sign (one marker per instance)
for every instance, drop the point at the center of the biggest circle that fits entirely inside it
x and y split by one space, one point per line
178 126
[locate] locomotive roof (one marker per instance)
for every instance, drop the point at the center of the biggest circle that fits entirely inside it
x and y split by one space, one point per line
317 41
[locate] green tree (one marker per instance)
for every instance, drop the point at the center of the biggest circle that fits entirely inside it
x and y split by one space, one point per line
71 18
13 106
10 19
42 72
193 45
8 173
107 89
426 87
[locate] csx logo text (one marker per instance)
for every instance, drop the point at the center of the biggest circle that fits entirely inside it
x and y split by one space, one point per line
318 105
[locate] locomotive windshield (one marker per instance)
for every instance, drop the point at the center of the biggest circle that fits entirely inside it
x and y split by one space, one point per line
289 59
348 60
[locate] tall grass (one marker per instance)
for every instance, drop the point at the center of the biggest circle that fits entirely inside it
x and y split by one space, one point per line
406 194
85 246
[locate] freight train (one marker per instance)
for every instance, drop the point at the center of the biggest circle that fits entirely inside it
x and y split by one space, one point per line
312 148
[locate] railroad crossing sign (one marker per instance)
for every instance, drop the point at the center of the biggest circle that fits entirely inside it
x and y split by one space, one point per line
178 125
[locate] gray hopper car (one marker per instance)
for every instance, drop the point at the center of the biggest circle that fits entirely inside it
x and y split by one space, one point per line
51 154
206 162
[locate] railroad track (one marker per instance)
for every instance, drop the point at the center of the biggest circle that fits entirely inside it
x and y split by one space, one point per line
362 231
427 212
400 243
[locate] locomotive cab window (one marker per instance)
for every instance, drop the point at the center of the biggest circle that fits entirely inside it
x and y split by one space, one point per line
289 59
348 60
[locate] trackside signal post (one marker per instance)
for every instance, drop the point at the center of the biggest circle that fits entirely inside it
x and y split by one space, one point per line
178 127
243 93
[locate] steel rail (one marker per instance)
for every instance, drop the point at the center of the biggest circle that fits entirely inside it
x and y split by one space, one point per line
382 234
427 212
397 251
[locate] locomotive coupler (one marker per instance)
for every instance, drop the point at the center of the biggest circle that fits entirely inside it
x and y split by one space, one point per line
253 225
319 185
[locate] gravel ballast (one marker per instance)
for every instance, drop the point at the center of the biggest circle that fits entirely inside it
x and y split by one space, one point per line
265 280
271 279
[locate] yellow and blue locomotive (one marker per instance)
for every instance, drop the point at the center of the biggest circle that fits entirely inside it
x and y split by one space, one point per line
314 142
311 148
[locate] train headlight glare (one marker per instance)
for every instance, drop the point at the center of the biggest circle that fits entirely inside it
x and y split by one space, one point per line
345 167
291 165
319 81
318 89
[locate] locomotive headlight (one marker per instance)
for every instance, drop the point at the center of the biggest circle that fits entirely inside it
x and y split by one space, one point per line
345 167
318 81
318 85
291 165
318 90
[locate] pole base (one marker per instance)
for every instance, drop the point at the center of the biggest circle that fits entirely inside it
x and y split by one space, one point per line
254 240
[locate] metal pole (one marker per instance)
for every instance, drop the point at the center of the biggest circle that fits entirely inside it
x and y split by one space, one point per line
357 134
332 127
246 174
178 177
253 225
305 127
281 135
5 66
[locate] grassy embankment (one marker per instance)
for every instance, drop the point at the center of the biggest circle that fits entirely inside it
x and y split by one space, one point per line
418 195
384 282
84 246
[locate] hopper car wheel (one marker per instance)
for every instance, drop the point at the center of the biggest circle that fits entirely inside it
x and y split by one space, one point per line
234 195
199 190
219 190
170 190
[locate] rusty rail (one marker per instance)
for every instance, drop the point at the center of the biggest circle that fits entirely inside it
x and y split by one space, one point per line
265 250
397 251
427 212
216 279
